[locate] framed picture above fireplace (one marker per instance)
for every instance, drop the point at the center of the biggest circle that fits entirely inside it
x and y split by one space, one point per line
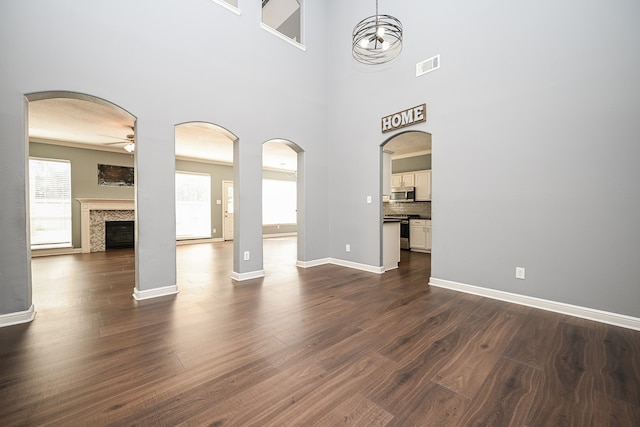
115 176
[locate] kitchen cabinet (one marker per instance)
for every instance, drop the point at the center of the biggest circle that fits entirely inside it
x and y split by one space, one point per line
390 245
403 180
423 186
420 235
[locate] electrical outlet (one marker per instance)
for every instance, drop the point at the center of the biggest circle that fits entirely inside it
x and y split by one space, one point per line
214 231
368 199
347 247
520 273
247 255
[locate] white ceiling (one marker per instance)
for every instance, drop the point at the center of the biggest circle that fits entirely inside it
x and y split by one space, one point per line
89 123
409 143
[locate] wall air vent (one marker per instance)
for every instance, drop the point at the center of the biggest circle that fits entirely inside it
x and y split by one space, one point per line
427 65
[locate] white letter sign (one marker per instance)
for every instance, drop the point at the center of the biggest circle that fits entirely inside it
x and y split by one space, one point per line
404 118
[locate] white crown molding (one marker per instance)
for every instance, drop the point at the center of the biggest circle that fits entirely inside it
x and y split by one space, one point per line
414 154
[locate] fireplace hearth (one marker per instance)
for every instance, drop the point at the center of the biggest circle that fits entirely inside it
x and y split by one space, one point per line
94 215
119 234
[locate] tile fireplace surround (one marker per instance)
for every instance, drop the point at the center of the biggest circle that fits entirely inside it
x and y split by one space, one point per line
94 214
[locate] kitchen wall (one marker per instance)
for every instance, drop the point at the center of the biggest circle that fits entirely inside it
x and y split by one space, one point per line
410 164
416 208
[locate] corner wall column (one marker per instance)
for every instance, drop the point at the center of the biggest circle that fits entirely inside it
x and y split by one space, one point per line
155 210
15 252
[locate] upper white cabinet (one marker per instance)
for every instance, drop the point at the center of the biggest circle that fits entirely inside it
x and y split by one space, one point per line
403 179
421 180
423 185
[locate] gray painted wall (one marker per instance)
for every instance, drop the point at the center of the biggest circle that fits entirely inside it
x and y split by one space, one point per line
535 140
84 176
533 115
84 181
166 63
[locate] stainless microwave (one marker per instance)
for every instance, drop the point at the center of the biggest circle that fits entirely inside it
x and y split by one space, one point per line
403 194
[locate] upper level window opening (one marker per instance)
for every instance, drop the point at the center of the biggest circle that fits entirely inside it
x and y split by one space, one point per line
231 5
285 17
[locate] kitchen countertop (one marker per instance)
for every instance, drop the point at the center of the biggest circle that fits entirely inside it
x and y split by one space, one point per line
396 219
387 219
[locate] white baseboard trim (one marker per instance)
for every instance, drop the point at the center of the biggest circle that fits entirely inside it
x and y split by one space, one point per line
557 307
314 263
358 266
197 241
17 318
342 263
272 235
239 277
35 253
155 292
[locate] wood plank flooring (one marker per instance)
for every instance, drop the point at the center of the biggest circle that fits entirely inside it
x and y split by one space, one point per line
322 346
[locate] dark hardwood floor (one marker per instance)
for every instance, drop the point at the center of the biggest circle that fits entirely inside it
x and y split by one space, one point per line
321 346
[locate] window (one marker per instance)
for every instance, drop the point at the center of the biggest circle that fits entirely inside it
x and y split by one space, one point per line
284 16
50 203
193 205
278 202
231 5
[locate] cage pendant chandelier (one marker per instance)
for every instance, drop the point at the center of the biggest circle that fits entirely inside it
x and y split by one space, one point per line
377 39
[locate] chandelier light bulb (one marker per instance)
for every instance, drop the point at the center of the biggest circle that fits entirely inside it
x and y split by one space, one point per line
377 39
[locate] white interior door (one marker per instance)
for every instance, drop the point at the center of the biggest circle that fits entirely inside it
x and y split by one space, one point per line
227 210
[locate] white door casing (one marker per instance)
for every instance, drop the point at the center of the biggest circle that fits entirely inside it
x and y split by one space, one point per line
227 210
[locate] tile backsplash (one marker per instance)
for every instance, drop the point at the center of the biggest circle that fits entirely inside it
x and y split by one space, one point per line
416 208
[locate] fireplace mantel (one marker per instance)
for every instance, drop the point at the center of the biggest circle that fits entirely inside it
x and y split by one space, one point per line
87 205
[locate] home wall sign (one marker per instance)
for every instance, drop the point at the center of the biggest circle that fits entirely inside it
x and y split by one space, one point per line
408 117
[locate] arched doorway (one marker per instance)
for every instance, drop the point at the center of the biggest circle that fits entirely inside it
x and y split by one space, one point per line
204 201
282 201
406 166
81 181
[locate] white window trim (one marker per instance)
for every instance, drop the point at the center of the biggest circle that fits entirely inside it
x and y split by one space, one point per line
272 224
45 246
194 238
228 6
283 37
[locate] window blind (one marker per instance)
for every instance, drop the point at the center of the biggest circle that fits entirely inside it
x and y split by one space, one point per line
193 205
50 202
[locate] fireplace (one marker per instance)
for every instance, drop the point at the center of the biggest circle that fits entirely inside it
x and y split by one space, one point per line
119 234
95 213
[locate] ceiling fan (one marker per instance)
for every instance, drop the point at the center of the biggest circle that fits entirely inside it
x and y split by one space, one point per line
129 141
